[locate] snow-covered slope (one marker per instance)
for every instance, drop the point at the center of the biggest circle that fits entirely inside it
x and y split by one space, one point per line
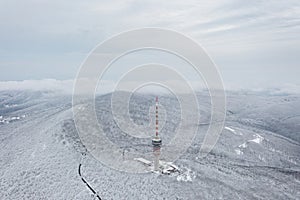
256 157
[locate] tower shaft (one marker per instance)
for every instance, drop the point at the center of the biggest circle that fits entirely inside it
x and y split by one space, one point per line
156 141
156 117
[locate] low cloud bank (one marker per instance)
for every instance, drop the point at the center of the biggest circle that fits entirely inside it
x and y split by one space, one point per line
61 86
66 87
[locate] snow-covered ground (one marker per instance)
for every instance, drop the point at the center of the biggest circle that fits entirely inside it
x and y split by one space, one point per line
256 157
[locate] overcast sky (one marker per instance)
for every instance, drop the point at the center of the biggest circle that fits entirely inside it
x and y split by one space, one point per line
254 43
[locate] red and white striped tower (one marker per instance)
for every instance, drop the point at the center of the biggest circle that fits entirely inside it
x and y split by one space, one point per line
156 141
156 116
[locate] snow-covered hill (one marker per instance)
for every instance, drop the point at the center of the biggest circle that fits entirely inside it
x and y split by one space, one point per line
256 157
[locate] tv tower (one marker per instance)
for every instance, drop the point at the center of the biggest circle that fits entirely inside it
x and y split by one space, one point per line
156 141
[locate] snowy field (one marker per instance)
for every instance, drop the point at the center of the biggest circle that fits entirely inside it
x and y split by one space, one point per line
256 157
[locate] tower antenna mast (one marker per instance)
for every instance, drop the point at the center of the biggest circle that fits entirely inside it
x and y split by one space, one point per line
156 141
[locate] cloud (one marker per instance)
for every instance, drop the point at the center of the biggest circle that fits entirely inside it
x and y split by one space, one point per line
48 39
59 86
66 87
